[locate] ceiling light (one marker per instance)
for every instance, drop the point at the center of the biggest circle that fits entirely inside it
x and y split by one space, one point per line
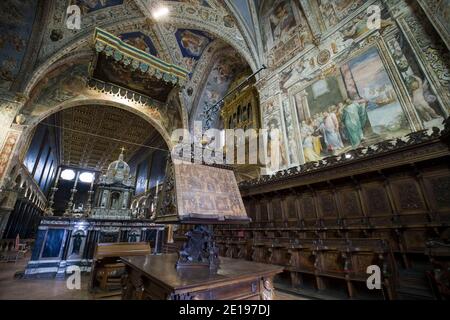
68 174
86 177
160 12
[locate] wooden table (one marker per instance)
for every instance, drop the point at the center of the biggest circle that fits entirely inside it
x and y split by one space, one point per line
154 277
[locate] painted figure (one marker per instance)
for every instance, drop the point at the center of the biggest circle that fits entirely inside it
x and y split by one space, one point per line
282 20
308 149
419 101
193 43
330 131
355 120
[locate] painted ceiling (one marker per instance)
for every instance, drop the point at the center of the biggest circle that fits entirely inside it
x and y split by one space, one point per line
17 18
212 39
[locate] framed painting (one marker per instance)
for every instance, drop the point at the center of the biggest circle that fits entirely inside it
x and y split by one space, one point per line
355 106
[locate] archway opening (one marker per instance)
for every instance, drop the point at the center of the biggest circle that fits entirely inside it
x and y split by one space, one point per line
71 150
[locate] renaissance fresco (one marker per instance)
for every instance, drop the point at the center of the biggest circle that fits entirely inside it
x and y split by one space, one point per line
284 29
355 107
88 6
139 41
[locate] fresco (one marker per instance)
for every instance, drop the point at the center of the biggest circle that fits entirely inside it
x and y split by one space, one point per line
7 150
88 6
217 84
17 18
357 106
194 2
334 11
275 124
192 43
66 85
421 94
139 41
284 29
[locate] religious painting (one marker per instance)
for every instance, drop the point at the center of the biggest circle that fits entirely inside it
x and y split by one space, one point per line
6 151
217 84
275 131
385 114
15 30
67 84
139 41
192 42
354 107
194 2
284 31
205 192
334 11
108 70
88 6
419 89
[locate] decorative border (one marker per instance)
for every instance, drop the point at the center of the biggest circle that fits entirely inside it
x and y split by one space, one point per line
413 139
138 59
431 8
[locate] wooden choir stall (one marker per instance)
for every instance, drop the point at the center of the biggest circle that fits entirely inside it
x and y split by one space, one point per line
200 196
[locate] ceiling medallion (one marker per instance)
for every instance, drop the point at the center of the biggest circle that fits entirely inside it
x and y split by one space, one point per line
323 57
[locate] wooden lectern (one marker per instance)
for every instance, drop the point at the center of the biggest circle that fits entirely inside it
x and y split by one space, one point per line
201 196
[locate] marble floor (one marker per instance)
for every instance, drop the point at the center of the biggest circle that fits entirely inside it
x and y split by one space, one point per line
42 289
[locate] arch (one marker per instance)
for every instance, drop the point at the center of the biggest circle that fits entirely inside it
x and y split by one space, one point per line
36 119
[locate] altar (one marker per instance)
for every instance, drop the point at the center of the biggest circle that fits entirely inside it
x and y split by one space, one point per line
154 277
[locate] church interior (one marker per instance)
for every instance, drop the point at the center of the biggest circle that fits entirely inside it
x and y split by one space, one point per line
111 112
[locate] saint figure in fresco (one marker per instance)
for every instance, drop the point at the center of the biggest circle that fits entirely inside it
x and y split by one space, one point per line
308 149
355 119
193 43
282 20
330 131
419 100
